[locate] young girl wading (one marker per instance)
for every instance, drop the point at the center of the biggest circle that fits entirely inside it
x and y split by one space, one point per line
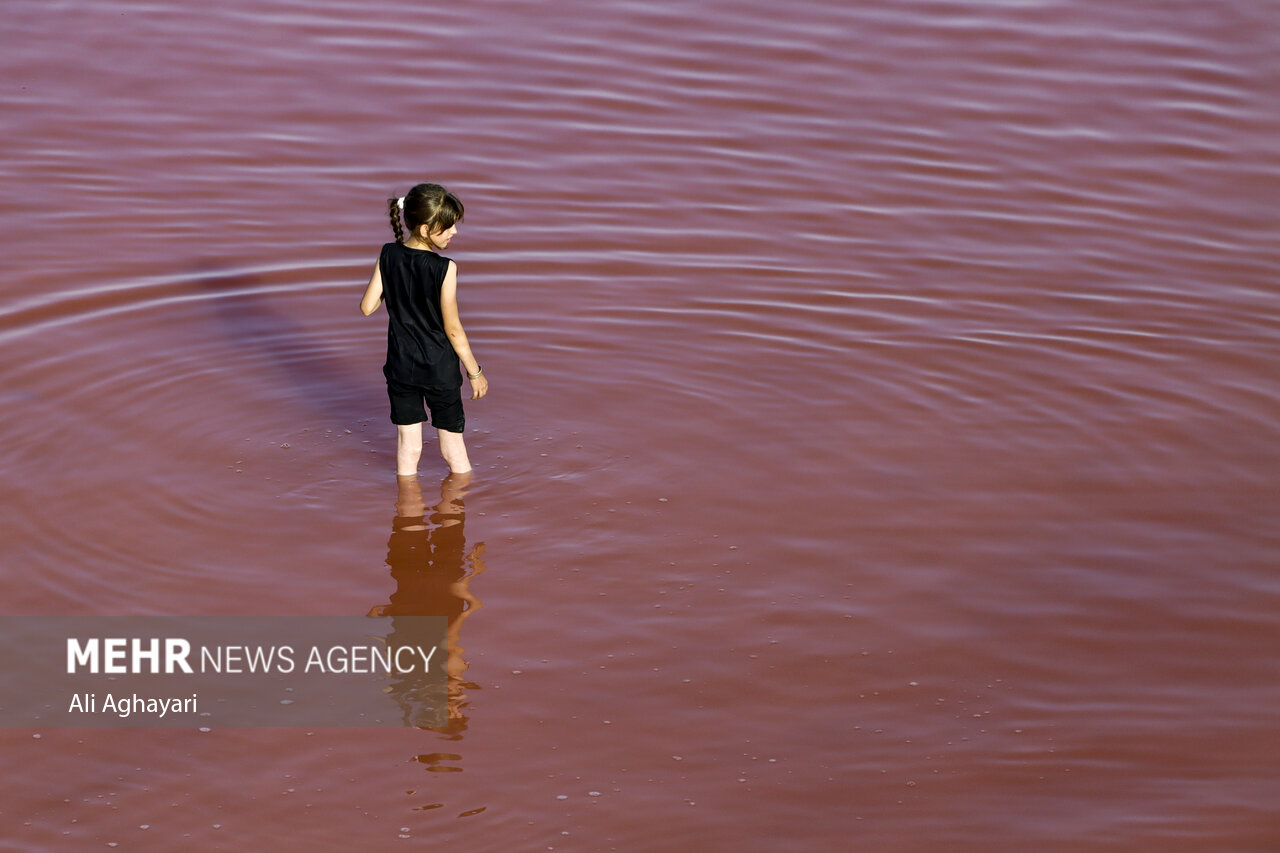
426 345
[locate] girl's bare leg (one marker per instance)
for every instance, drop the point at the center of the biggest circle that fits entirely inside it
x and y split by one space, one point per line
408 449
454 451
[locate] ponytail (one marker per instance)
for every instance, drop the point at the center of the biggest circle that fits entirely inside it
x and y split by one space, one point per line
393 207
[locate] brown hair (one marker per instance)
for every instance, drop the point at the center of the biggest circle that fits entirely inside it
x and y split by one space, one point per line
426 204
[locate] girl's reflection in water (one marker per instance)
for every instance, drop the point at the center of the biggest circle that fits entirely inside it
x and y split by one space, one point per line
432 575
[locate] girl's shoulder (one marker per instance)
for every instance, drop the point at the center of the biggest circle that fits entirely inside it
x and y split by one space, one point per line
399 262
404 251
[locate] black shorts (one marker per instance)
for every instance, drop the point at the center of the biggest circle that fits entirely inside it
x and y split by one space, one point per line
445 404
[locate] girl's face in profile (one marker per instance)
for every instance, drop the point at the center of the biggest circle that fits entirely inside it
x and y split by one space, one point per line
440 239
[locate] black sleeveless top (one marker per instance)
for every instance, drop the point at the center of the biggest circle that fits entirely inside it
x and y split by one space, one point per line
418 350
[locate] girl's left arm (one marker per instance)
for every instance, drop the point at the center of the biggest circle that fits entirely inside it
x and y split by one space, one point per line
373 293
457 336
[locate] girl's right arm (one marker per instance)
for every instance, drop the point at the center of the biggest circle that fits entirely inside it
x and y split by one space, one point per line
373 293
458 337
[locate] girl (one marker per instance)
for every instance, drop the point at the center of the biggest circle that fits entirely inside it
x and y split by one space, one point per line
425 340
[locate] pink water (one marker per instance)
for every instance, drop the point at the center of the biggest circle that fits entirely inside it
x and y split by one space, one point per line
881 450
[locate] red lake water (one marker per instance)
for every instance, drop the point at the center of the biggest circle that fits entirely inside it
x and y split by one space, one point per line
881 446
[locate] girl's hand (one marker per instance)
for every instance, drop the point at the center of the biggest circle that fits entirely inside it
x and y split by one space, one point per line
479 386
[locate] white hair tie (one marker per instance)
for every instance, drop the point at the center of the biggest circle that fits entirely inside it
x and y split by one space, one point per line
400 201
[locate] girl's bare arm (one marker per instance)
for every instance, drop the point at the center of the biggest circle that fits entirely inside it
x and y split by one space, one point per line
373 293
457 336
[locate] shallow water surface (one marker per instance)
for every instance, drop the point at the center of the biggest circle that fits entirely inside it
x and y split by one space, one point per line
880 452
